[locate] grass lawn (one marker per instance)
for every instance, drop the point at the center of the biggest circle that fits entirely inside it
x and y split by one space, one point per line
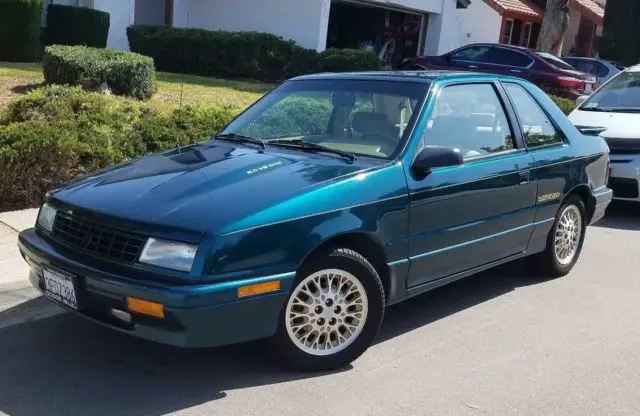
18 78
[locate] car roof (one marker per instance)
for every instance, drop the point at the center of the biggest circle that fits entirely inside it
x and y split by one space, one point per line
426 76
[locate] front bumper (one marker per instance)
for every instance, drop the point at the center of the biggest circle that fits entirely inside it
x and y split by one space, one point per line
202 315
625 177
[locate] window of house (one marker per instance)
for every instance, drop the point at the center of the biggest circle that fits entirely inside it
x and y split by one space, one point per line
536 126
507 33
471 118
526 35
508 57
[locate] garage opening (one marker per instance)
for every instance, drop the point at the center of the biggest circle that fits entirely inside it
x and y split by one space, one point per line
392 34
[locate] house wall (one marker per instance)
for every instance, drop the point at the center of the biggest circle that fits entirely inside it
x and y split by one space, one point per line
479 23
572 31
304 21
149 12
121 16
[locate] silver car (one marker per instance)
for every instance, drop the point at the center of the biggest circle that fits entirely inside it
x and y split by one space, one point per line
602 69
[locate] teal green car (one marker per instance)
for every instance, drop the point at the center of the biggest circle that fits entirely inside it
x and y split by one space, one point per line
330 198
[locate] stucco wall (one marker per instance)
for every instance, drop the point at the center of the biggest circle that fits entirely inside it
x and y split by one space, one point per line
149 12
478 23
121 16
426 6
304 21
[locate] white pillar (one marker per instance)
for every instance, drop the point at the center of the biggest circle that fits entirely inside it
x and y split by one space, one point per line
442 29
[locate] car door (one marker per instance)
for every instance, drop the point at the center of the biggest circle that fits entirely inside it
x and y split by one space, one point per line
507 61
470 58
482 211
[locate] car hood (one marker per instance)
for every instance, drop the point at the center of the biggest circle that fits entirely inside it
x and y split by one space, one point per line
618 125
204 187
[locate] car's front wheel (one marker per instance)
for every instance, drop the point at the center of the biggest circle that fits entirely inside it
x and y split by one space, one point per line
333 313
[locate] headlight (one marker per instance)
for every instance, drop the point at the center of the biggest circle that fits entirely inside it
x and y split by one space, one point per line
46 217
168 254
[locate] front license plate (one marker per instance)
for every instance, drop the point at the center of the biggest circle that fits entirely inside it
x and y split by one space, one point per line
60 287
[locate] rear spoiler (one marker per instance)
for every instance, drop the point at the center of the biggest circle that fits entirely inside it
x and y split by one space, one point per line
591 130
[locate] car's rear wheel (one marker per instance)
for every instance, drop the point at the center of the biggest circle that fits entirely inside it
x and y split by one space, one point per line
565 240
333 312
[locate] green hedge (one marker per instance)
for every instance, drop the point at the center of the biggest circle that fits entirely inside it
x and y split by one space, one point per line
57 133
71 25
19 29
565 105
254 55
126 73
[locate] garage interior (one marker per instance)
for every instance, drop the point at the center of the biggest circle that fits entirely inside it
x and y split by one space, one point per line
392 34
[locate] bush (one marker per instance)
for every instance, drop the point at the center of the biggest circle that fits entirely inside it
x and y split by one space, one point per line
71 25
567 106
57 133
126 73
345 60
19 29
254 55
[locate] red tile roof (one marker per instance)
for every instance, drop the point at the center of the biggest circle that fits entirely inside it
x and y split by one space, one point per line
519 7
589 8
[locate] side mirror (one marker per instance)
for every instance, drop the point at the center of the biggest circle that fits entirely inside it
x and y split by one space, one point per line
581 100
435 157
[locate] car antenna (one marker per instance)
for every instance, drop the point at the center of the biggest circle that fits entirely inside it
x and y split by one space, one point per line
184 65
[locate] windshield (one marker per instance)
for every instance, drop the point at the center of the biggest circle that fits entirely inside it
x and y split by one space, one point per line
362 117
555 61
621 93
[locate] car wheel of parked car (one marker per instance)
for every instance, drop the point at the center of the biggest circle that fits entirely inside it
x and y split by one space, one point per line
564 243
333 313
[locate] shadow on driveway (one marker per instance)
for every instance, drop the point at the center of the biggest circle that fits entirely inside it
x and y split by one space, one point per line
621 215
66 365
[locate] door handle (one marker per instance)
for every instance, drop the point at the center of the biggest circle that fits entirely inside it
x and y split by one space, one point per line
517 71
525 177
473 66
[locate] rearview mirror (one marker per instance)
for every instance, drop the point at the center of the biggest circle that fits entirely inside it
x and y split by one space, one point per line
581 100
435 157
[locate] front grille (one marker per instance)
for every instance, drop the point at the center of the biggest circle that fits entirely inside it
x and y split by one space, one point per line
623 146
96 239
624 187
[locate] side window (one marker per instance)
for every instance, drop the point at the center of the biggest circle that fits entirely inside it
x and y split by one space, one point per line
473 53
503 56
471 118
536 126
603 70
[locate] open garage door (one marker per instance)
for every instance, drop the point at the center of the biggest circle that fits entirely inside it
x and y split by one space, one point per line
393 34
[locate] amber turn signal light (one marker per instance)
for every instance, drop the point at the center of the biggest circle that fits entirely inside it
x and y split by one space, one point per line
258 288
145 307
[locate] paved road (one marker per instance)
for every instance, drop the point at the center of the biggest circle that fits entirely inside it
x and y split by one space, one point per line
499 343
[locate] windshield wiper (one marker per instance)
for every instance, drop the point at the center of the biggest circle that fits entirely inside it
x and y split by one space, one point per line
312 146
612 109
238 138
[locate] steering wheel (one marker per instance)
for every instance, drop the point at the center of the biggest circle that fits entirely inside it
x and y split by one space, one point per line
387 144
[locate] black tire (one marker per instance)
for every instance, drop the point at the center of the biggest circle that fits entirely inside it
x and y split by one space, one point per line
286 349
547 262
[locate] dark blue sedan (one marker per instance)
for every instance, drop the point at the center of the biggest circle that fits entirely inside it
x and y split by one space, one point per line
330 198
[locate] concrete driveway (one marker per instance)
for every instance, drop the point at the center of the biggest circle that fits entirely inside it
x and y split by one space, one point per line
499 343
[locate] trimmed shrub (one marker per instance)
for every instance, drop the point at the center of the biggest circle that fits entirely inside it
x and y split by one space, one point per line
58 133
254 55
567 106
19 29
345 60
71 25
126 73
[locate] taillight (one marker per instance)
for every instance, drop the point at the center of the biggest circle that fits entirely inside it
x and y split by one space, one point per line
571 82
608 173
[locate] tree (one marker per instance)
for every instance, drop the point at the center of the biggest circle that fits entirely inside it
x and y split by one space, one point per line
621 32
554 26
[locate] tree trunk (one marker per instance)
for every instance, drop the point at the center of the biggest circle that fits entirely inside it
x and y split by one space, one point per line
554 26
